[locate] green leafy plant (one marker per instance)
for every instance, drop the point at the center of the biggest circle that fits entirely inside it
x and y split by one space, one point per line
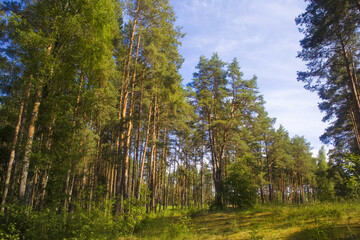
179 228
239 188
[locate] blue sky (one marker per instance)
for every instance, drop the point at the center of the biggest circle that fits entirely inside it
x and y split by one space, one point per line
263 36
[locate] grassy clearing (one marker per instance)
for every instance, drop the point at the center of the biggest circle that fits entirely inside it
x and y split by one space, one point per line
309 221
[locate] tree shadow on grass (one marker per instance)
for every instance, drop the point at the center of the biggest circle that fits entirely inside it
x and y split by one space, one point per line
329 231
221 223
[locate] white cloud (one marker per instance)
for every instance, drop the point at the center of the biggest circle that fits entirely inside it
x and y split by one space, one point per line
296 110
263 36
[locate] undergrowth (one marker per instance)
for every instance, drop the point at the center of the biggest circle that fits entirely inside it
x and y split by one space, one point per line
20 223
268 221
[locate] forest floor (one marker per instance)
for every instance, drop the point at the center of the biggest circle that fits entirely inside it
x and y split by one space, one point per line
308 221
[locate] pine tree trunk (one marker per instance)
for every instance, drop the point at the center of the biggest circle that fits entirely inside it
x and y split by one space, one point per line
353 85
144 153
195 189
269 170
165 178
122 178
34 187
355 126
215 164
202 175
28 146
137 147
44 181
126 175
162 175
153 159
14 143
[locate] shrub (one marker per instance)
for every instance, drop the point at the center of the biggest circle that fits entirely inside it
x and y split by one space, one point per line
176 229
239 188
21 223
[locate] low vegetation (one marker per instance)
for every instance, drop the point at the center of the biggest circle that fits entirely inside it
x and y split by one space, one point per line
98 131
270 221
264 221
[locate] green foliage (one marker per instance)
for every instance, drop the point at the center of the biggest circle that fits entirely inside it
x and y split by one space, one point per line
324 186
344 170
352 166
179 228
81 61
99 223
134 217
9 230
329 47
239 188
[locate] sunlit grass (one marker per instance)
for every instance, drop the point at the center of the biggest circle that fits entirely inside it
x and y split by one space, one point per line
269 221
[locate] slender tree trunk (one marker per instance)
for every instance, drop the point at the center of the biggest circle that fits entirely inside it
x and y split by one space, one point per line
112 181
14 143
164 170
44 181
215 163
34 187
153 159
28 146
162 175
356 128
126 175
195 189
122 178
67 189
353 85
269 172
144 152
109 171
283 187
137 152
202 174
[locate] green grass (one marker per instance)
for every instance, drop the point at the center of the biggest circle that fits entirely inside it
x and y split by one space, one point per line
270 221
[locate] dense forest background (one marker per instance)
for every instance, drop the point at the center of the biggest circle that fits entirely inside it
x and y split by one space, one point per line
94 116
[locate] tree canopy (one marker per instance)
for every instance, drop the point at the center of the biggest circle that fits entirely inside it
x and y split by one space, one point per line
93 112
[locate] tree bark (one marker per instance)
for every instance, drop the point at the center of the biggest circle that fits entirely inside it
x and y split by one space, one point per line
14 143
355 126
126 174
28 146
353 85
153 158
141 180
202 174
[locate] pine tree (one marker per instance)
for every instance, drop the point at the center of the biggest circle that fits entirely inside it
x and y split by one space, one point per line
329 48
324 186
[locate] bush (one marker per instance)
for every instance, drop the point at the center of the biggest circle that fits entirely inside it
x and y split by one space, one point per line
176 229
239 188
20 223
